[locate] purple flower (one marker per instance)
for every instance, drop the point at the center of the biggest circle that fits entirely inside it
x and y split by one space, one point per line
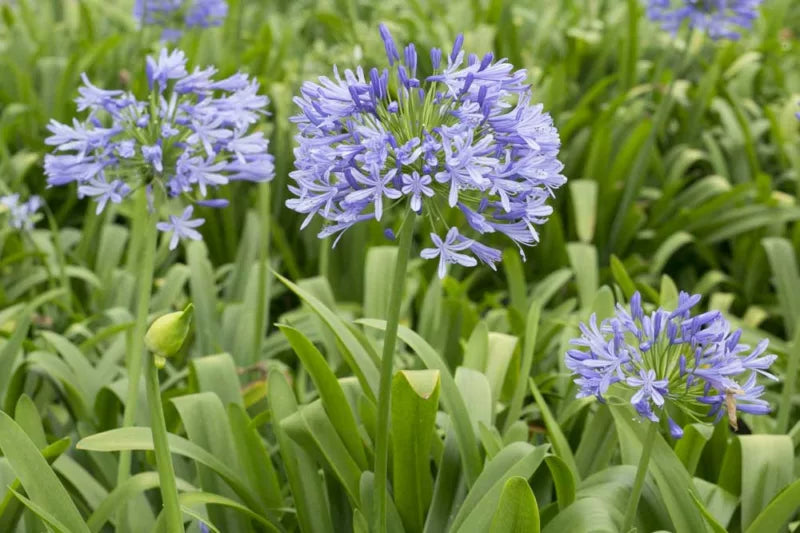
448 251
189 135
168 66
152 154
182 227
675 431
650 388
466 143
22 215
104 192
416 186
670 360
718 18
174 15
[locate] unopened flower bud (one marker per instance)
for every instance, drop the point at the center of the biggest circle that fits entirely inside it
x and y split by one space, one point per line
168 333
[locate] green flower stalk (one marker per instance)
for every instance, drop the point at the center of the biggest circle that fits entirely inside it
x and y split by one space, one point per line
164 339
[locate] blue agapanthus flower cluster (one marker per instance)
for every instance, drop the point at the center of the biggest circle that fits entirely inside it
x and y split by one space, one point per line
21 215
669 361
465 147
719 18
174 15
190 136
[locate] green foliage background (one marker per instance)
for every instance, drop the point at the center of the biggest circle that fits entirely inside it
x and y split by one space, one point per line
683 159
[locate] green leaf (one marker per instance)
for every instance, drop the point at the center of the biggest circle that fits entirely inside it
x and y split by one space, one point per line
27 416
716 504
583 194
11 507
355 354
415 401
622 277
672 479
598 442
330 392
690 447
453 401
583 258
780 510
204 292
255 459
310 427
476 351
379 267
122 493
515 276
554 433
584 516
10 349
715 526
517 511
516 459
757 467
42 513
207 426
667 249
367 488
217 374
305 483
562 479
613 485
193 498
40 482
477 394
501 352
528 347
141 438
447 486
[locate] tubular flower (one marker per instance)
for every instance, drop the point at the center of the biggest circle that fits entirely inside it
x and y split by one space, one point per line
465 147
174 15
669 361
22 215
192 135
719 18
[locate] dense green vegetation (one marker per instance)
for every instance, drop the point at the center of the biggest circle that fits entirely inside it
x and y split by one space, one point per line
683 160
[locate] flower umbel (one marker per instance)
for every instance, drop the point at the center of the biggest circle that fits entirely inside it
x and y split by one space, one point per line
719 18
174 15
465 147
190 136
22 215
670 361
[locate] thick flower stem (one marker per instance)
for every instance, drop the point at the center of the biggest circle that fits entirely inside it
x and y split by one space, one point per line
387 360
632 45
166 473
641 474
262 310
145 249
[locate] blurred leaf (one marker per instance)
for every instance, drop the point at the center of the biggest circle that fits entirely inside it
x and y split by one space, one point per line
583 194
786 279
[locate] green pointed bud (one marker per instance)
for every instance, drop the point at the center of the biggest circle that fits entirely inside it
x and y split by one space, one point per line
168 333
